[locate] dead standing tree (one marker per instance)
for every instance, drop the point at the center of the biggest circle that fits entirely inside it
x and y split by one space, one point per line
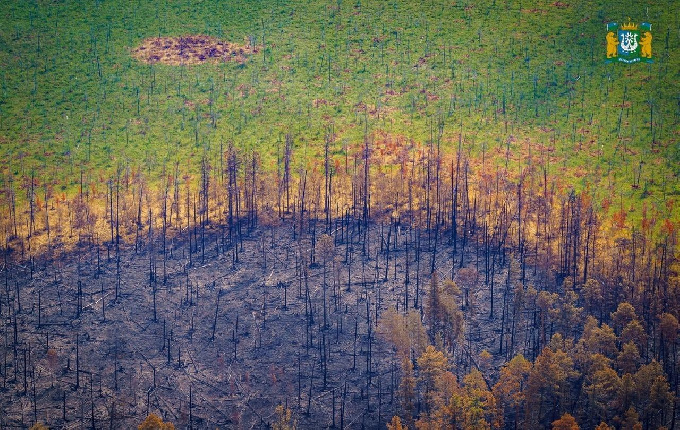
287 155
233 202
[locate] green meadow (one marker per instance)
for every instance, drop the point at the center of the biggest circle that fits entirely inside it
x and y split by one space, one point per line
516 81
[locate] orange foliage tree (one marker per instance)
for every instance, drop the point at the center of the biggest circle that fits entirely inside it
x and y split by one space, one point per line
154 422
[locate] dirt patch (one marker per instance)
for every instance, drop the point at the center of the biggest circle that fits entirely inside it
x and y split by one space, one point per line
192 49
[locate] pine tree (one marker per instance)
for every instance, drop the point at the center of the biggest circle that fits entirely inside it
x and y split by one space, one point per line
395 424
154 422
566 422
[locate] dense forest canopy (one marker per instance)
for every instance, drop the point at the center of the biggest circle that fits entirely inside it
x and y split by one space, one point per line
337 214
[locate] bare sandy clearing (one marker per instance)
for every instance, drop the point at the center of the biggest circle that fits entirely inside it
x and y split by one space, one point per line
191 49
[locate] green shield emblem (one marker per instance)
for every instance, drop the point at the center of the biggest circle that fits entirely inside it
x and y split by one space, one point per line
629 43
629 46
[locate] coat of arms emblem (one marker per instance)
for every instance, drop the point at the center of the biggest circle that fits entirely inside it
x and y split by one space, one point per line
629 42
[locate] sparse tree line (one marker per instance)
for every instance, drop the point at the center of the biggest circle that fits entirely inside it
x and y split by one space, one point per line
605 377
586 300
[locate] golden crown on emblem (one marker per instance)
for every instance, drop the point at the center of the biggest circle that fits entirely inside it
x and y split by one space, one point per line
629 26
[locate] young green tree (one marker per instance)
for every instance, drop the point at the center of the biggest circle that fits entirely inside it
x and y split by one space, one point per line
480 409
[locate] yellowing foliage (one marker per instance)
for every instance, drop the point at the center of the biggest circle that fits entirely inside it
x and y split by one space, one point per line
566 422
284 419
154 422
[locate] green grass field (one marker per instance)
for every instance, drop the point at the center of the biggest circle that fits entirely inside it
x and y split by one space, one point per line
517 77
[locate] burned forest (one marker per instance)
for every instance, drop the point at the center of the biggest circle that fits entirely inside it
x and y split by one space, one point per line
349 296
